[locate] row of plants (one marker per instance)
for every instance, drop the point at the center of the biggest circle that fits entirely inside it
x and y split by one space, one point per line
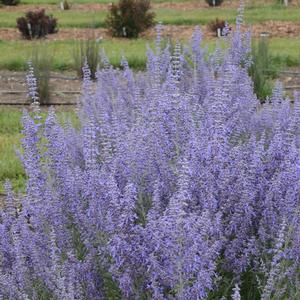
177 185
128 19
169 16
66 5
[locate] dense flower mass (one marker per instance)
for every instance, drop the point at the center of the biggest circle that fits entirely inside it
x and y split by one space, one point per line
179 184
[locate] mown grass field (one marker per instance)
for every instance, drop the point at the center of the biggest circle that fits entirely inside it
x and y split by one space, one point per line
10 165
133 50
14 54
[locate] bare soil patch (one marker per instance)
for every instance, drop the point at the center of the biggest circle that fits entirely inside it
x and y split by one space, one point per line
12 83
292 78
277 29
15 81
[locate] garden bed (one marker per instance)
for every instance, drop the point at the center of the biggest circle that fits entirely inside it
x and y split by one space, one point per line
275 29
64 88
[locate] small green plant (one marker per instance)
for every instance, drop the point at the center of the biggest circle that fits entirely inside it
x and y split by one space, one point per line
9 2
86 50
41 61
36 24
214 2
129 18
259 69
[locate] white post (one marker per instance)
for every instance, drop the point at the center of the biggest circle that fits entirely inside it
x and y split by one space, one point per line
219 32
214 2
62 6
286 2
29 29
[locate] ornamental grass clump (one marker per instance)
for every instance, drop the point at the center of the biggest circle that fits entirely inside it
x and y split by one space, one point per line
87 51
178 184
260 69
41 61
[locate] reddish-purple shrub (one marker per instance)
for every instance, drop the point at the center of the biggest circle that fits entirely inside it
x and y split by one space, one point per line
36 24
218 24
129 18
214 2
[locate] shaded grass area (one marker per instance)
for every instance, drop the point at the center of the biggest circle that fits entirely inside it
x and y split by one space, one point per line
14 55
11 167
10 134
96 19
285 51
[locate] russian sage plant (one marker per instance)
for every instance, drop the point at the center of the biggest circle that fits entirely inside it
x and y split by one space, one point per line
177 182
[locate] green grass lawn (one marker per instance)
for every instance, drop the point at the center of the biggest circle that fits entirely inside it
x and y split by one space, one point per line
14 55
10 166
84 19
286 51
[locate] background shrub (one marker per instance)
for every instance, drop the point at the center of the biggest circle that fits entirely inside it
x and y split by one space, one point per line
9 2
216 24
36 24
214 2
129 18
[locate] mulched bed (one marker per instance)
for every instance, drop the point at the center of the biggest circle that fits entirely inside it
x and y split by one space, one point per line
15 82
188 5
290 79
103 6
275 28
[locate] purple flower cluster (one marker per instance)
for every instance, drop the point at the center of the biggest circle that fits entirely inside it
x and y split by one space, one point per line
176 177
